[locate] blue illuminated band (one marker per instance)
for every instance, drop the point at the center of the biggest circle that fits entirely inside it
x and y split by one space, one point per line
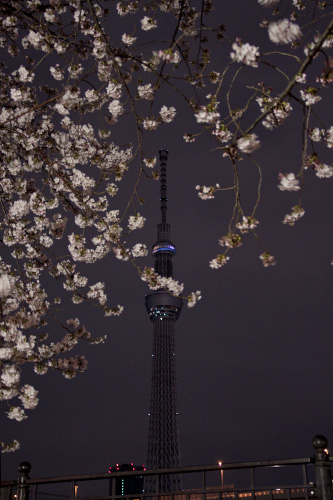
164 248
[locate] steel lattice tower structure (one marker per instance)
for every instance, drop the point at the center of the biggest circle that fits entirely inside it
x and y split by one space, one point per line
163 309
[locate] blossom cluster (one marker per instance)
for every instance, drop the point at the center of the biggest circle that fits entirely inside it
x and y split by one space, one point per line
193 298
268 3
245 53
247 224
157 282
322 170
248 143
288 182
284 31
310 96
316 134
296 213
231 240
207 114
221 132
280 111
267 259
219 261
207 192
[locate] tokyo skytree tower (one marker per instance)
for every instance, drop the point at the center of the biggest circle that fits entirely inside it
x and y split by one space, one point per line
163 310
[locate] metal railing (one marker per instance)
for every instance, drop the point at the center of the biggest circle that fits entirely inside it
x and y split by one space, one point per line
26 488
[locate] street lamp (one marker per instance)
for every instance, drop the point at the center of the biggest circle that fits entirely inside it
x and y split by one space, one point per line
220 464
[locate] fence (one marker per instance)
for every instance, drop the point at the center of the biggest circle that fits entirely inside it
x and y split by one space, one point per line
26 488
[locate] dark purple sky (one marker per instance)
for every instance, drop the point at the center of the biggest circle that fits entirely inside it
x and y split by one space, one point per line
253 357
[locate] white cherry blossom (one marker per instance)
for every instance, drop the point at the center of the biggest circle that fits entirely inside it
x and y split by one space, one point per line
150 162
329 138
193 298
316 134
168 56
147 23
7 284
268 3
16 413
114 90
136 221
245 53
222 132
248 144
139 250
247 224
167 114
128 39
116 108
219 261
288 182
28 397
150 124
323 171
231 240
279 113
296 213
301 78
207 115
310 96
284 31
10 375
267 259
146 91
207 192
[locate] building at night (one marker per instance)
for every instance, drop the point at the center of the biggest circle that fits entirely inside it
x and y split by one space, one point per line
126 486
163 309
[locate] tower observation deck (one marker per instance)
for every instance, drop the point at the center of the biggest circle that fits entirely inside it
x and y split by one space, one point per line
163 310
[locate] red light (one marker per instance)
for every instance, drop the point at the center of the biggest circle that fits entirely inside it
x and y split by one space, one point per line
133 468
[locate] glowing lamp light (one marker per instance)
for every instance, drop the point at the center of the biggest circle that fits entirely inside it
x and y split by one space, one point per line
222 479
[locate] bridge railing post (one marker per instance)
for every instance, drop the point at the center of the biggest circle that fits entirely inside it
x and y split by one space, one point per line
22 486
322 468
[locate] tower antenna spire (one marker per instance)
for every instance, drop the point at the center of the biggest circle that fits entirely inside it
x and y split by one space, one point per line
163 183
163 249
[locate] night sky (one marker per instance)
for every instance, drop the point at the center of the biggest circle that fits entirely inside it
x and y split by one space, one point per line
254 355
